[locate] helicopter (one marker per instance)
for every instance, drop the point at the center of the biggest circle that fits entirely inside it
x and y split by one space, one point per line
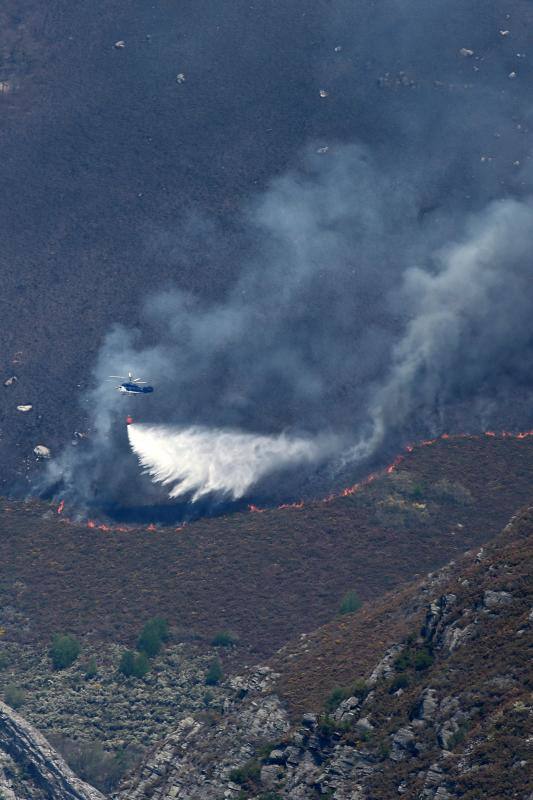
132 385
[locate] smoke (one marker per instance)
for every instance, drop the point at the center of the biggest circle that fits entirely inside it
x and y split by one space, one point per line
200 462
381 289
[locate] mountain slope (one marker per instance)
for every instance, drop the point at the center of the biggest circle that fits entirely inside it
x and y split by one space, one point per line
444 712
264 576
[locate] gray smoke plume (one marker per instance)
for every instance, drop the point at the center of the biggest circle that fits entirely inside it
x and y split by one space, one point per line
384 286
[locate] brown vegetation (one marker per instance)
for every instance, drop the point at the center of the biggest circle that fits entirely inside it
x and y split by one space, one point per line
266 577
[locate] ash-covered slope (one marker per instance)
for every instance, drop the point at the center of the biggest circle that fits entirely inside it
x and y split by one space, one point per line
442 711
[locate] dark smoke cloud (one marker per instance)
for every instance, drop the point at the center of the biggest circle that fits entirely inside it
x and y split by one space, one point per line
384 289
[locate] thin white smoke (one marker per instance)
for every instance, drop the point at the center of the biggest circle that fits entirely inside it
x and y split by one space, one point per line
202 461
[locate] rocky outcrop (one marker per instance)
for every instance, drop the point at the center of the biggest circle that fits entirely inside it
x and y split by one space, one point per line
31 768
434 718
203 756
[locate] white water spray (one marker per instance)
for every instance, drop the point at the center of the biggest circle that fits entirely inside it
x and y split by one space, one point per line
206 461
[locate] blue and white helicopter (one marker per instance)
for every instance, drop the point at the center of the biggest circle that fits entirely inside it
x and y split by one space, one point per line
132 385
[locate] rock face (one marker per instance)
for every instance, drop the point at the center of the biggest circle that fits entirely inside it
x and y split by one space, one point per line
31 768
199 759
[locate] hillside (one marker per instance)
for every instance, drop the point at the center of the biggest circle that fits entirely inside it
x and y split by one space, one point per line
264 576
442 712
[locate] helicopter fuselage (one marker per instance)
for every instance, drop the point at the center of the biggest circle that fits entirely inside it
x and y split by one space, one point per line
134 388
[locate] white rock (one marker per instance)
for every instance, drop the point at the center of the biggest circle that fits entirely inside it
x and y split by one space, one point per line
41 451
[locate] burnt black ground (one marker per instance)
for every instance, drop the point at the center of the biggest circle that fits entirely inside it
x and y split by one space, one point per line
105 155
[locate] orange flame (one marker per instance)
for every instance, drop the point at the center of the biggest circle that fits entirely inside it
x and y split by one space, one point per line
347 492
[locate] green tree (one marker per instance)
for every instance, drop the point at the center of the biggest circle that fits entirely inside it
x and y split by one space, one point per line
141 667
350 603
127 663
152 636
133 666
64 650
214 673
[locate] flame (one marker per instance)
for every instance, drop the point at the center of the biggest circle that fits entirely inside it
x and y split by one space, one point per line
396 463
409 448
256 510
347 492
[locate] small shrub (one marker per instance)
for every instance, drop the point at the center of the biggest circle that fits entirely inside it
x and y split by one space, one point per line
452 492
404 660
350 603
64 651
127 663
247 774
357 689
5 661
326 727
149 643
224 639
423 659
399 682
152 636
214 673
14 696
208 698
99 767
336 697
90 669
133 666
142 666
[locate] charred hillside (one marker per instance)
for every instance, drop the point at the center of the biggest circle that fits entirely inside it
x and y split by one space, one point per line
264 576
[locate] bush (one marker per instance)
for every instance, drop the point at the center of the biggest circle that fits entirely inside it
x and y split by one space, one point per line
5 661
214 673
400 682
90 669
423 659
247 774
14 696
154 633
336 697
452 492
419 659
64 651
357 689
95 765
133 666
224 639
350 603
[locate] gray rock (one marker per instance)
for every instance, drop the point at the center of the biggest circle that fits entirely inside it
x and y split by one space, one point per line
403 743
47 770
496 600
428 705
